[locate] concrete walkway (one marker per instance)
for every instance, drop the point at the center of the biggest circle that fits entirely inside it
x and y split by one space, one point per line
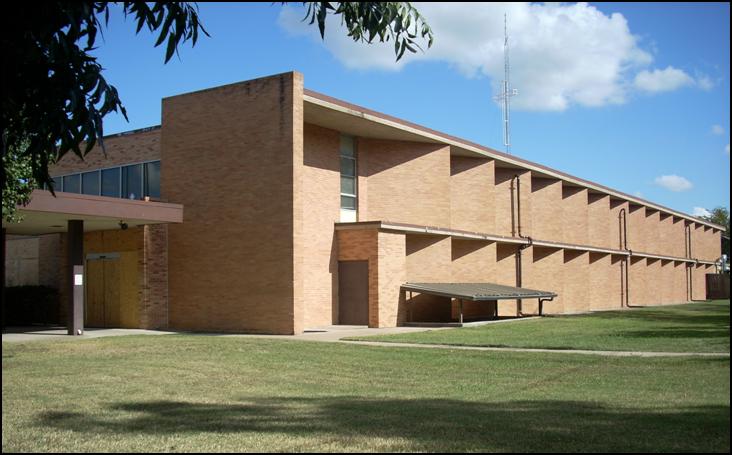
330 334
544 351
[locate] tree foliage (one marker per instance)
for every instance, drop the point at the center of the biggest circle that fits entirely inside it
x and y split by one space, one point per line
399 22
18 186
55 95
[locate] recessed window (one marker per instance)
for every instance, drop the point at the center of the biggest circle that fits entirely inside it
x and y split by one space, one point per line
152 179
132 182
72 183
111 182
349 190
90 183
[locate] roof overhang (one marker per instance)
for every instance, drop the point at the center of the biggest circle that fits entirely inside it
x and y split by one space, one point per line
46 214
329 112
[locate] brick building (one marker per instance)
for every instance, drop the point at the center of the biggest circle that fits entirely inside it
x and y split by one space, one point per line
282 188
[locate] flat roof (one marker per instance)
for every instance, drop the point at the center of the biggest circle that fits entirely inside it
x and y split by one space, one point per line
477 291
46 214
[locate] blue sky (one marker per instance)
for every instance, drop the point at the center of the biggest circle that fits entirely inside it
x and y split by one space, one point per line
632 96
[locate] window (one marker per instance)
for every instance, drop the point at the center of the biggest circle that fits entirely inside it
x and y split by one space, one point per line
72 183
152 179
111 182
129 182
90 183
349 192
132 181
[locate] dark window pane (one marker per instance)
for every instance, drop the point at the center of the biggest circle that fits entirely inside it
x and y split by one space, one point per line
132 182
348 166
90 183
152 179
348 185
110 182
348 202
72 183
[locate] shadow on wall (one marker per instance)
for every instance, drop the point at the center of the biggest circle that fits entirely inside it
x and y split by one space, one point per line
417 425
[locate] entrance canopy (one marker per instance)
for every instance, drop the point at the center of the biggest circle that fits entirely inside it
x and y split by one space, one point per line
46 214
477 291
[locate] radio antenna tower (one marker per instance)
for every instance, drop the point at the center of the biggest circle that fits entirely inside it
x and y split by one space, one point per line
506 91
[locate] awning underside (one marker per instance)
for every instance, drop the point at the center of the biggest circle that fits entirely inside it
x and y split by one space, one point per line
477 291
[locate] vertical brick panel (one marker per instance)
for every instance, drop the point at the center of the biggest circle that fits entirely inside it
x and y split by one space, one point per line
472 194
321 198
546 197
230 156
599 221
392 273
408 182
603 283
652 231
574 214
429 261
637 228
575 278
542 275
616 228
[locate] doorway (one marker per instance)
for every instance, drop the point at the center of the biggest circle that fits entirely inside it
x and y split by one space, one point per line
353 292
111 290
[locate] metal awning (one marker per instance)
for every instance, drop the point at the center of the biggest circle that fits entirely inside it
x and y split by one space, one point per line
477 291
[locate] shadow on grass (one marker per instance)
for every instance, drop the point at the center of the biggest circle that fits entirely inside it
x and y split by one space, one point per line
421 425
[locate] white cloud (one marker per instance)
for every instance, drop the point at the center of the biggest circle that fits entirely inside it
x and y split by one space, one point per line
726 149
718 130
662 80
561 54
673 183
704 82
700 211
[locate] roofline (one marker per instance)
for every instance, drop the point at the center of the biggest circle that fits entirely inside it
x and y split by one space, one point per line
388 120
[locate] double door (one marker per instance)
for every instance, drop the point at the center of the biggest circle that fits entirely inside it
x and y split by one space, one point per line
111 298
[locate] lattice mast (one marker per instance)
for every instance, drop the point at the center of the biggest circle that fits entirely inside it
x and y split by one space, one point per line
506 91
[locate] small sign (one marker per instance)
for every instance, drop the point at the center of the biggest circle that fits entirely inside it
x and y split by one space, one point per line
78 279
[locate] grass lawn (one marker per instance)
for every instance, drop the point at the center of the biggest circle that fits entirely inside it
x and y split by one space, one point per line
208 393
696 327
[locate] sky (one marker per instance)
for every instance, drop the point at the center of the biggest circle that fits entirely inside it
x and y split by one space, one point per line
634 96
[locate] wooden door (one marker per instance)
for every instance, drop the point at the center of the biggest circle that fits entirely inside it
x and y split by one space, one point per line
94 302
353 292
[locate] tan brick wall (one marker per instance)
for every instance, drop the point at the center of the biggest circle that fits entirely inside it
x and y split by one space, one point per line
505 273
429 261
546 199
637 228
575 277
677 237
652 232
124 149
362 245
542 275
665 235
638 278
679 282
154 286
574 215
604 282
472 194
600 222
654 282
408 182
699 282
231 158
321 198
666 282
21 261
49 252
502 205
392 273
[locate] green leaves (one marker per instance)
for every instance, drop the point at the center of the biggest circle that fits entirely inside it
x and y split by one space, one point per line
366 21
55 96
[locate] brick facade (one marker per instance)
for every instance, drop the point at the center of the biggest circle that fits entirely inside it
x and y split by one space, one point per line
258 250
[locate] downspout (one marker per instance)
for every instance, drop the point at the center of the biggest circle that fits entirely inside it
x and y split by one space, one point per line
625 264
516 229
689 266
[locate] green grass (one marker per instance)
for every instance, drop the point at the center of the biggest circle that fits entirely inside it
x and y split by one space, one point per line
696 327
207 393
